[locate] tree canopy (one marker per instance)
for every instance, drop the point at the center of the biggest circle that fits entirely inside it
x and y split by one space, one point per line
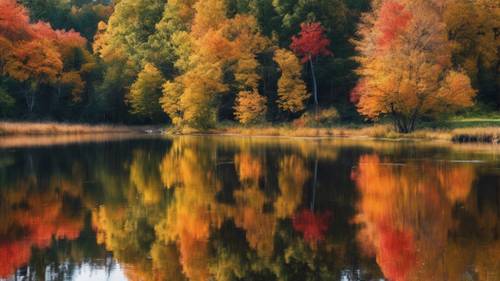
220 60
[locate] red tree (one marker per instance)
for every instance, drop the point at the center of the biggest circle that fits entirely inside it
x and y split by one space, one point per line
14 21
393 18
312 226
36 53
310 44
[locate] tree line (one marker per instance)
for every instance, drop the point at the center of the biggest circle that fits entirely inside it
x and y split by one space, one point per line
199 62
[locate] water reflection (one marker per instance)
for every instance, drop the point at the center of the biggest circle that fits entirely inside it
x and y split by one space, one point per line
194 208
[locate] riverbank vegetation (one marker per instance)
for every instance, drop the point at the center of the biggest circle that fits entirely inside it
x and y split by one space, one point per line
24 128
199 64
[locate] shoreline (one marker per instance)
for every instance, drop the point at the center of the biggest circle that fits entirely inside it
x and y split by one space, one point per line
483 135
489 135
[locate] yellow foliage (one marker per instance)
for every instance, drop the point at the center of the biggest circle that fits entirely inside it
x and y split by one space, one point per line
74 80
214 46
250 107
249 168
245 72
210 14
292 91
472 27
170 101
36 59
292 176
145 93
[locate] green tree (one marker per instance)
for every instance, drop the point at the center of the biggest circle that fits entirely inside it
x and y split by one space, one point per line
145 93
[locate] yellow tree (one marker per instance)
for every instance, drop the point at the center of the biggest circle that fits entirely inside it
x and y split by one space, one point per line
215 47
405 65
473 28
292 91
250 107
472 25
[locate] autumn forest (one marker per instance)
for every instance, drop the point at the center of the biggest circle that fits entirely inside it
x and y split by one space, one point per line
200 63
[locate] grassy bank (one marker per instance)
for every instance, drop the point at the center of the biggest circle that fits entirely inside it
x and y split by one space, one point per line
28 128
467 134
458 135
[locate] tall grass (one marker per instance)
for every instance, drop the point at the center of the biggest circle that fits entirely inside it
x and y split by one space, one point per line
24 128
381 131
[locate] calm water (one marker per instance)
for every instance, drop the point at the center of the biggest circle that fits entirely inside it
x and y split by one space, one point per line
199 208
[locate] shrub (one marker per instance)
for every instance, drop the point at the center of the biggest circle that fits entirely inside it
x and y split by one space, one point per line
325 117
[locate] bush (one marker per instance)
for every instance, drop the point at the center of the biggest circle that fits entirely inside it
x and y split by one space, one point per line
325 117
6 103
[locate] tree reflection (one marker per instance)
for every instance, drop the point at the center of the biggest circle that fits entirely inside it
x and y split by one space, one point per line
245 209
32 217
408 217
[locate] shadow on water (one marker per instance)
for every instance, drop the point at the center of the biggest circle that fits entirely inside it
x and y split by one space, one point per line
229 208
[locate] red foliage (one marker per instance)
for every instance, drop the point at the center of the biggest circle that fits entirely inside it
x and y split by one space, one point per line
397 254
15 26
391 21
70 38
13 255
14 21
357 92
311 42
41 222
61 38
43 30
312 226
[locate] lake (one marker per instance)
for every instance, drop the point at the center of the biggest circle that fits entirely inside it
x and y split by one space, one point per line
235 208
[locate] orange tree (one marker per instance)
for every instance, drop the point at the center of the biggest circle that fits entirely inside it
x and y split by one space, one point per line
405 65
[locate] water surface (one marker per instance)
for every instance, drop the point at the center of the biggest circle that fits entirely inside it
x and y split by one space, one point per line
229 208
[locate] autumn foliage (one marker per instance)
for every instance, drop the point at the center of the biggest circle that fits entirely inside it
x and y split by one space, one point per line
405 66
312 225
37 54
405 217
311 42
292 91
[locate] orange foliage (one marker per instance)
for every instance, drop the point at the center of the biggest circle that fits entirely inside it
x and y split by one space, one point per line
405 217
194 256
405 65
34 51
259 226
251 107
35 59
248 167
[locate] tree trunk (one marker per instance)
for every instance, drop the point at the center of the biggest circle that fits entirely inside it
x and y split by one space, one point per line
30 95
403 124
315 181
315 87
